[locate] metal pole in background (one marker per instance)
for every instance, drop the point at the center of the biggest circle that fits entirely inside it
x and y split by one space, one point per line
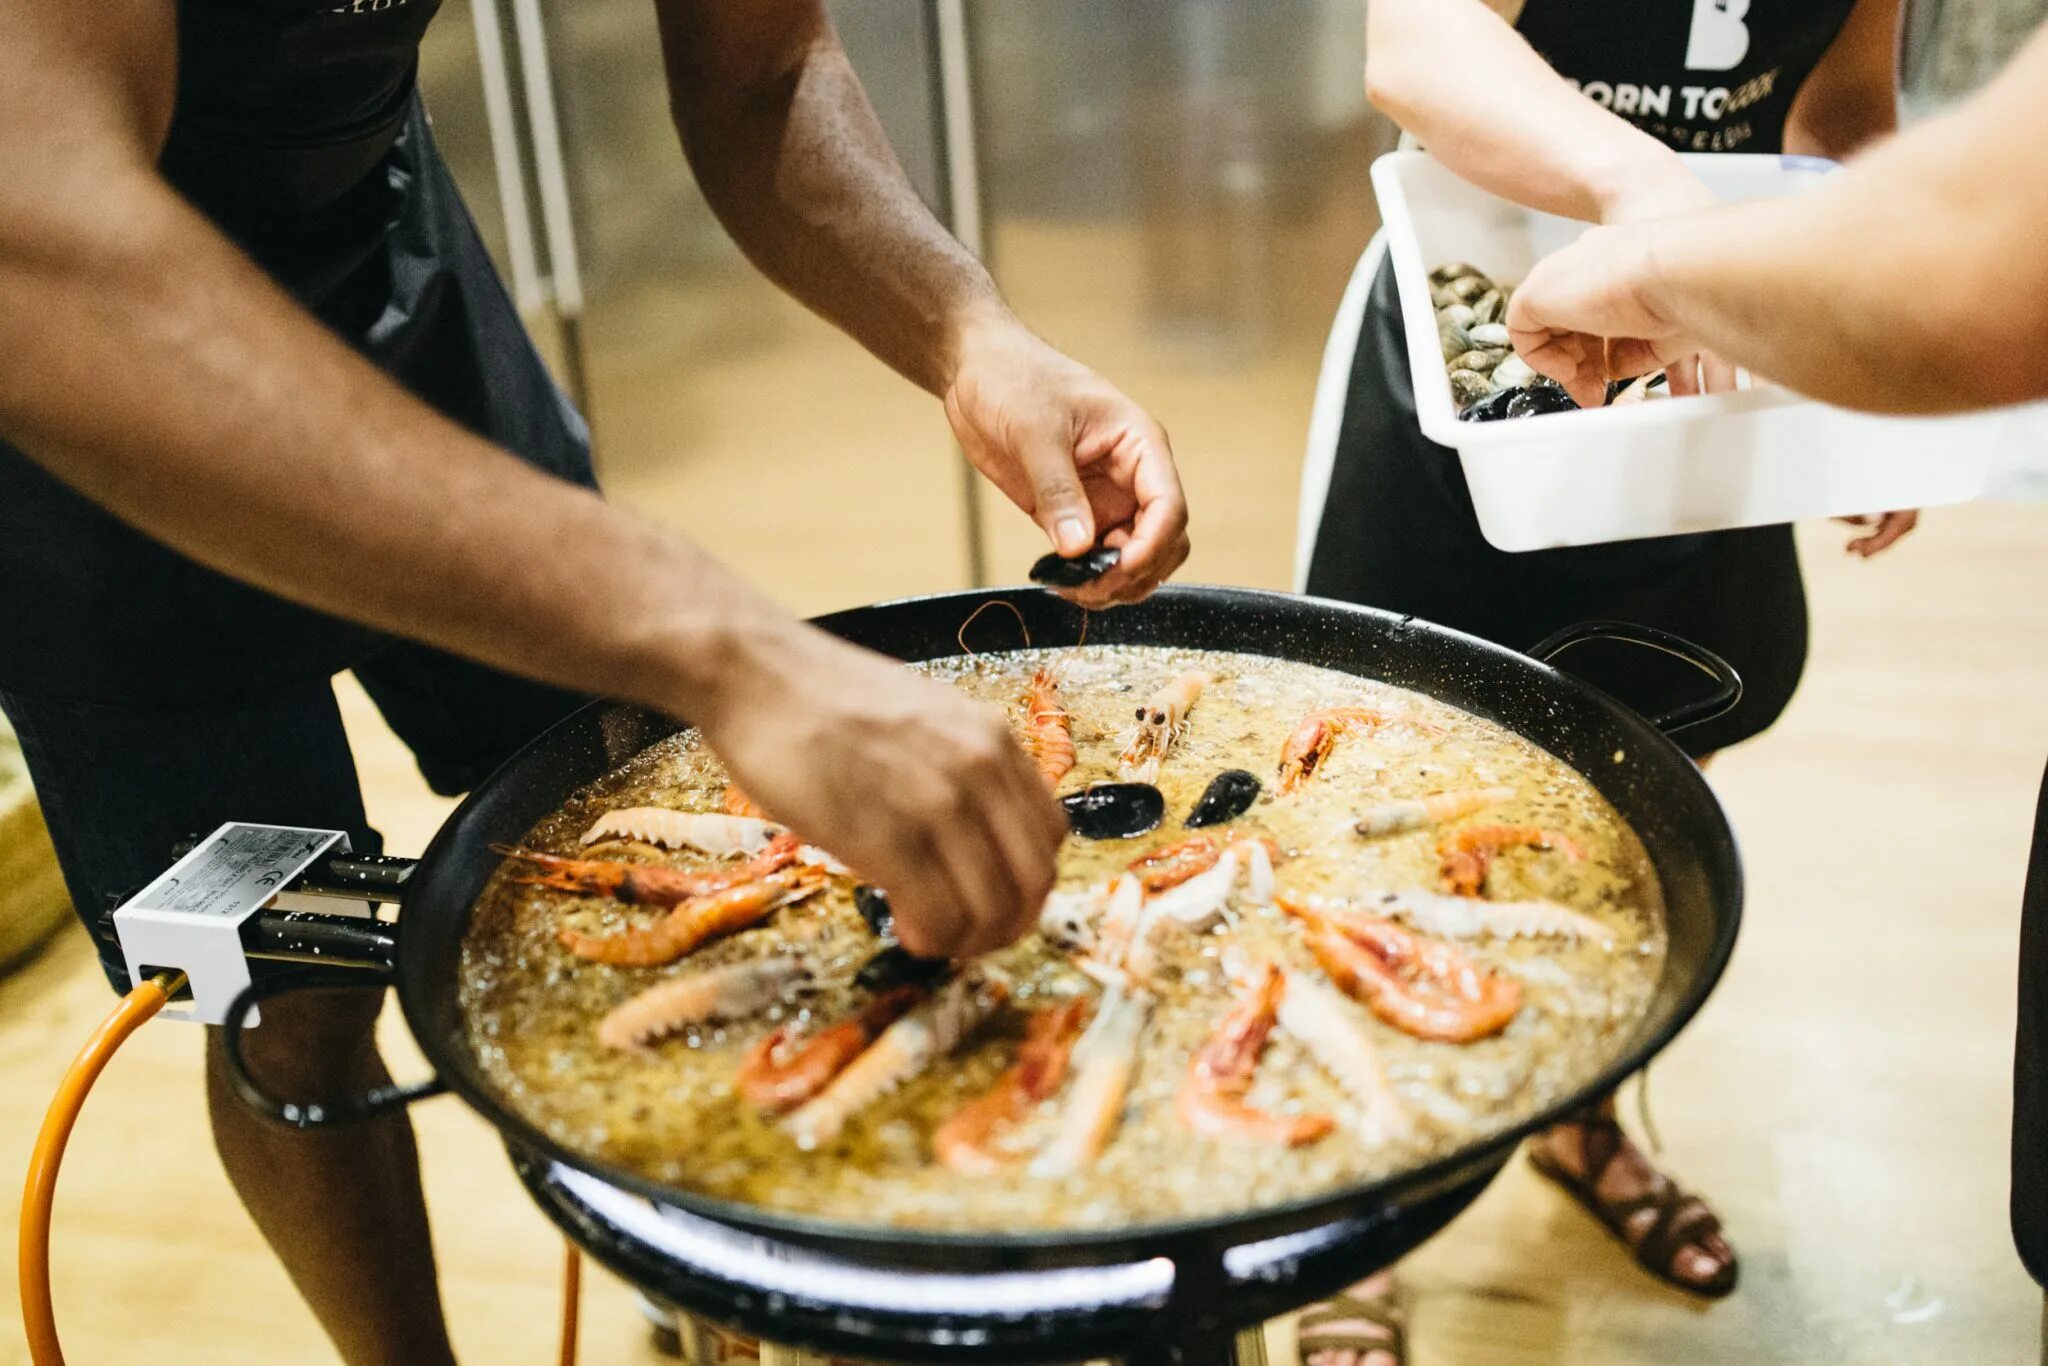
528 290
565 267
960 173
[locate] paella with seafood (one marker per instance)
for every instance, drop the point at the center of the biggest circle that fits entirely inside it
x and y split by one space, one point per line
1312 929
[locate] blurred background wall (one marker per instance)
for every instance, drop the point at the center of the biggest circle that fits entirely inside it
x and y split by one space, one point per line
1173 190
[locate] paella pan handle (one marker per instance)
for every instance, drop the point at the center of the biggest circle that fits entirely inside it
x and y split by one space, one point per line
1727 683
323 1114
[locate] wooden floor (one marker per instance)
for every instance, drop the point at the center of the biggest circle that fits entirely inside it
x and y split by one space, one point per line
1843 1098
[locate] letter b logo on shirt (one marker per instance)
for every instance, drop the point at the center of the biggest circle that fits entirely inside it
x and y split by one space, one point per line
1719 37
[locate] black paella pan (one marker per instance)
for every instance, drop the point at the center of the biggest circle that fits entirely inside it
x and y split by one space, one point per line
1650 782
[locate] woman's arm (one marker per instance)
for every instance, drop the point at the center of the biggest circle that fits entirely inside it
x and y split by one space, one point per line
1852 98
1458 77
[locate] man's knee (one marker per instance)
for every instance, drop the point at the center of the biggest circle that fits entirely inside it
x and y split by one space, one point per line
311 1040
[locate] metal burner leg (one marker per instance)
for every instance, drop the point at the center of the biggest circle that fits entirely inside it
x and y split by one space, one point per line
1251 1346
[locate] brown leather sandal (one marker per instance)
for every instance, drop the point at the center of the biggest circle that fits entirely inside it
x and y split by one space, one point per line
1681 1221
1382 1312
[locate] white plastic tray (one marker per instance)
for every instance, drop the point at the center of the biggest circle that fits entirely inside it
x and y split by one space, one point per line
1749 458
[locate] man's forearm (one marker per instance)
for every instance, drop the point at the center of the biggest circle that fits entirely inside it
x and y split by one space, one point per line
790 155
201 404
1904 284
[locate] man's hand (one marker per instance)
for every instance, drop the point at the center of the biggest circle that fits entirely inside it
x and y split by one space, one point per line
917 786
1664 190
1085 462
1582 317
1888 529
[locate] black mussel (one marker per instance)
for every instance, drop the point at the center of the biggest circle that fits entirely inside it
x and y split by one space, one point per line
897 966
1229 795
873 904
1054 571
1114 811
1544 396
1492 408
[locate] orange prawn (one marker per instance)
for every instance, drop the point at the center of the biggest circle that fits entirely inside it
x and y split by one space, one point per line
648 884
1420 986
692 923
1048 729
1212 1099
777 1075
1317 735
1464 859
962 1143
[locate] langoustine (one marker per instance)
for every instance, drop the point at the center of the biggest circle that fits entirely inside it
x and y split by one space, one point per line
1465 859
934 1028
1211 1100
965 1143
1172 864
692 923
1319 1019
708 832
1465 917
1160 722
648 884
1048 730
738 803
728 993
1421 986
1394 818
783 1070
1105 1061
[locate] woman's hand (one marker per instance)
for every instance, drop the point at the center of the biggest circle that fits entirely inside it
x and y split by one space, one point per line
913 783
1889 529
1085 462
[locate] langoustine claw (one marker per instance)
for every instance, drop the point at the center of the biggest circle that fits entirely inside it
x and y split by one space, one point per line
1466 857
728 993
1160 722
648 884
1170 865
1212 1099
710 832
694 922
779 1072
1318 1018
965 1142
1048 730
1421 986
932 1029
1105 1061
1394 818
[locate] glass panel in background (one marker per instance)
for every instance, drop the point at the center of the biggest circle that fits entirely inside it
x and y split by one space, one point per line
1177 192
719 405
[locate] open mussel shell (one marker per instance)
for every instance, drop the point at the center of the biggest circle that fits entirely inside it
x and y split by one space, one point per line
1114 811
897 966
1055 571
1229 795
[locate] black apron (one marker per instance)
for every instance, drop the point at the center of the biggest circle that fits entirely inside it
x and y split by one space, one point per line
2030 1064
299 133
1398 529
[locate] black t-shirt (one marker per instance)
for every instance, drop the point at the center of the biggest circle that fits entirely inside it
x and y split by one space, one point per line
1702 75
284 105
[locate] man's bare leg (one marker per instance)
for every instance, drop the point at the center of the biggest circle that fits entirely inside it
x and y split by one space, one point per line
343 1211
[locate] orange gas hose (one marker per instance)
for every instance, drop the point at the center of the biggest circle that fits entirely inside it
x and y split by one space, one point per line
38 1315
33 1254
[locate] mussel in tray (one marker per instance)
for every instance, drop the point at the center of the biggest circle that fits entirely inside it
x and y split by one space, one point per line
1229 795
1114 811
1057 571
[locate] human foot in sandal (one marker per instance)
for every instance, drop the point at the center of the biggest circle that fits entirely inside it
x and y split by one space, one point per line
1360 1327
1673 1235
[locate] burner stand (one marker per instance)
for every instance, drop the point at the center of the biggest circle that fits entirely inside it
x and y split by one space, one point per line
1192 1311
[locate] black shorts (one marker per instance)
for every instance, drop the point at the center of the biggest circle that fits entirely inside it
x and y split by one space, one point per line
1398 531
156 699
